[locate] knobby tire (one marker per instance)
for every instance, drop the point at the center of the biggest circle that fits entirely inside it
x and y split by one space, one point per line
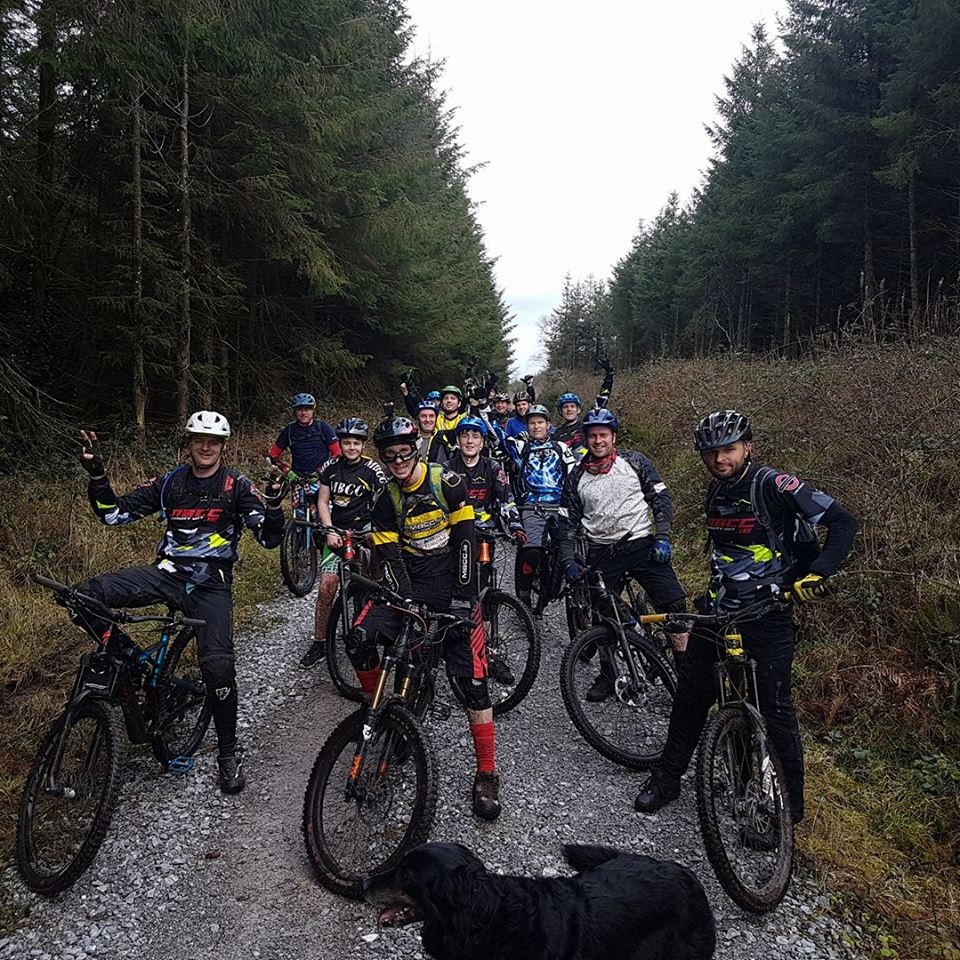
396 738
732 725
182 700
105 750
643 721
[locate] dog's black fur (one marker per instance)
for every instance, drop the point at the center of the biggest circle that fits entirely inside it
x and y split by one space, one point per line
619 906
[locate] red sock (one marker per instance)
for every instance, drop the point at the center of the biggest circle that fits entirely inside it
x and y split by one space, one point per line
483 746
368 679
526 569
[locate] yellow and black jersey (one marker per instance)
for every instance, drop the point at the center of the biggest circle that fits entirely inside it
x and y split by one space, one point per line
429 526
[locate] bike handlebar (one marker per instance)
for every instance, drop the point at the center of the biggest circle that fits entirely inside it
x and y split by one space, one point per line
750 612
387 594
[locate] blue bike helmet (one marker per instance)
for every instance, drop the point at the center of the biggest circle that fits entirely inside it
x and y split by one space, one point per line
427 405
599 417
433 396
568 398
303 400
472 423
352 427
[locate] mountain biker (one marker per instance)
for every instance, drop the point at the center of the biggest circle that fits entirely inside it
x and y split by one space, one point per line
424 537
521 403
501 409
614 493
453 409
541 465
349 484
430 444
758 527
412 399
311 442
569 406
205 505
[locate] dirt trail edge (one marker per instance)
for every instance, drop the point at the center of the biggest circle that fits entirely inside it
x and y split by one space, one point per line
187 874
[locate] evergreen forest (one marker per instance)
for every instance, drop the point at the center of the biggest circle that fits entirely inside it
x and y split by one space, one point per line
216 202
830 208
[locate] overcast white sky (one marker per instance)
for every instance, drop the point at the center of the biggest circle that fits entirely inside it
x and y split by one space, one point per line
587 115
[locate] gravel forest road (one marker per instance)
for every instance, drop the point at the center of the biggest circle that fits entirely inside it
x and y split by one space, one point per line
188 874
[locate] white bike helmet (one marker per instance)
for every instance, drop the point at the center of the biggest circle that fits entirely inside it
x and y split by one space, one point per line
207 423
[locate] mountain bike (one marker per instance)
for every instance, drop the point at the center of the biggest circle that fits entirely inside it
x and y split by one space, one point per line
548 577
72 789
298 549
742 805
372 793
348 604
512 638
629 724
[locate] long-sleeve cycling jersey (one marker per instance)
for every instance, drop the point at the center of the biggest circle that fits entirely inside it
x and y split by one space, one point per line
205 517
310 447
541 466
629 500
743 558
488 490
425 532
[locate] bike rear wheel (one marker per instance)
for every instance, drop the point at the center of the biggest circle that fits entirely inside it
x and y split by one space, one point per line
743 811
342 674
58 836
298 559
360 818
513 642
184 713
630 725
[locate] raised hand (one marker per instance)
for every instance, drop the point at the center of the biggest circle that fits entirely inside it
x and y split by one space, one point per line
90 458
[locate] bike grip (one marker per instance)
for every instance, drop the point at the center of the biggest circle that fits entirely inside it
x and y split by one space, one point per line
376 587
193 622
653 617
47 582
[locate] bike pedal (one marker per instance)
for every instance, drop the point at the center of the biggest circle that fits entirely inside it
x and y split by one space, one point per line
440 710
181 764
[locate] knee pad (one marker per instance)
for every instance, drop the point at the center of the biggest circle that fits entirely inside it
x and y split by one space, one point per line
473 694
361 649
219 676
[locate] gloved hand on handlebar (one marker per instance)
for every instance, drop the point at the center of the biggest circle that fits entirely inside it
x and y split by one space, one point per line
519 536
809 588
574 571
661 551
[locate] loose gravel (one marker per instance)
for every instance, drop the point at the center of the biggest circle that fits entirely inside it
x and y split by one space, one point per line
188 874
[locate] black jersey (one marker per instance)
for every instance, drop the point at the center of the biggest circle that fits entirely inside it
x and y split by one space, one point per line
488 490
354 486
204 515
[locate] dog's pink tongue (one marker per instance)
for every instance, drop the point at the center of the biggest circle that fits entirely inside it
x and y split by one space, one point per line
387 916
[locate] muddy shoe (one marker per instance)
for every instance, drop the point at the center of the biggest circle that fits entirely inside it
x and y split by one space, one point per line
315 653
601 689
486 795
658 789
232 779
501 673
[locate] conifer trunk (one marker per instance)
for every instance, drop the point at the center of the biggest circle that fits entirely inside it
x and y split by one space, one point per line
183 344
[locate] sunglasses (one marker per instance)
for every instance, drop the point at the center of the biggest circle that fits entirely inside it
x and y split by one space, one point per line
399 457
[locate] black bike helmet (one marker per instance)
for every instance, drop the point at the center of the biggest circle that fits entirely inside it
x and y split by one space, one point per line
536 410
501 398
395 430
719 428
353 427
522 395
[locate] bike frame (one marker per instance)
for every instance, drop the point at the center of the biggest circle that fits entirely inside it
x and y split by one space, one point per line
302 506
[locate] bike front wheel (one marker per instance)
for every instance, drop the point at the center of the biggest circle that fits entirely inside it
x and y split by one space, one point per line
182 707
513 649
743 811
368 802
298 559
60 832
623 718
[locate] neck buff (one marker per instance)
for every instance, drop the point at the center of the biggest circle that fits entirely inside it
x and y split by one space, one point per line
602 465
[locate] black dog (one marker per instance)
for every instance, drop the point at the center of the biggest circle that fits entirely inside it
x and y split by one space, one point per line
619 906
